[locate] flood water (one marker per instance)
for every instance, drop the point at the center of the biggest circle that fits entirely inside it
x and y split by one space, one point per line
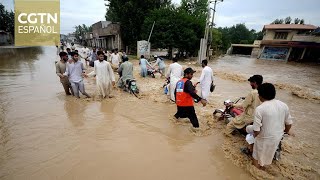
46 135
299 87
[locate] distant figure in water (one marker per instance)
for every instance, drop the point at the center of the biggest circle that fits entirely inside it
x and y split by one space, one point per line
175 72
206 79
61 69
73 47
160 63
143 66
75 71
69 53
115 59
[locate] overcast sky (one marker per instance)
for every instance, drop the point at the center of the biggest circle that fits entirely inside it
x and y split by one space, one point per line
254 13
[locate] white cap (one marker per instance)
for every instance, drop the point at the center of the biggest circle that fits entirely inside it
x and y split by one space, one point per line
155 56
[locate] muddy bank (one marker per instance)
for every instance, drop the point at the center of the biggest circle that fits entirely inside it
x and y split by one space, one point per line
297 90
302 80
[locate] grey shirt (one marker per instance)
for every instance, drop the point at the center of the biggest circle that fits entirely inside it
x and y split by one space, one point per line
74 71
126 69
60 70
160 63
93 56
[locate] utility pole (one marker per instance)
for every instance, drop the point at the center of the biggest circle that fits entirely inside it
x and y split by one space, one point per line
151 31
149 45
212 23
205 43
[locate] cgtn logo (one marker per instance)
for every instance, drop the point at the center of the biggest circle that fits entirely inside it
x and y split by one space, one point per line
37 23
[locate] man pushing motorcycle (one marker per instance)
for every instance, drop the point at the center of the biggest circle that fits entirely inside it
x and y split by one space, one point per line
249 105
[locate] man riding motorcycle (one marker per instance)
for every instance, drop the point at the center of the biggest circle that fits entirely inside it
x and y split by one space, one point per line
249 105
125 71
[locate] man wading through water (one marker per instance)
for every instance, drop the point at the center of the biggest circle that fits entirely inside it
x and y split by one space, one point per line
60 70
184 95
75 71
105 79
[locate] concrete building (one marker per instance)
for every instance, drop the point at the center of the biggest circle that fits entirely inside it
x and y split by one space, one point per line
71 37
251 50
63 37
290 42
105 34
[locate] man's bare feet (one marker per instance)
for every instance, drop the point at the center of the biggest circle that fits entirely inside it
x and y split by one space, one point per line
257 165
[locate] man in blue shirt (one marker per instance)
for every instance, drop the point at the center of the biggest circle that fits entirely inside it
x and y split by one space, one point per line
143 65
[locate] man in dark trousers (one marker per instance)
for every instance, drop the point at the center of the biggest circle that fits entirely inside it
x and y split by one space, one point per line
185 93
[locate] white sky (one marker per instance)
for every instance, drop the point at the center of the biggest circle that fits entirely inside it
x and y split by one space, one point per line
254 13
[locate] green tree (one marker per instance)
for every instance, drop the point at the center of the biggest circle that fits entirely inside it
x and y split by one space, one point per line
174 28
238 34
6 20
131 15
216 42
196 8
287 20
278 21
178 27
81 30
258 35
226 38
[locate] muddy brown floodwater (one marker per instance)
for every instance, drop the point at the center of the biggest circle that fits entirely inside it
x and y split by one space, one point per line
46 135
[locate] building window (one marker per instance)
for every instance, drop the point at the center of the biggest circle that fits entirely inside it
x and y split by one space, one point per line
281 35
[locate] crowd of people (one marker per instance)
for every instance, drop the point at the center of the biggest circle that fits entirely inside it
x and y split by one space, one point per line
264 119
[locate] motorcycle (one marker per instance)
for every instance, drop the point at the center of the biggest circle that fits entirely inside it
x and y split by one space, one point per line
131 87
152 71
229 111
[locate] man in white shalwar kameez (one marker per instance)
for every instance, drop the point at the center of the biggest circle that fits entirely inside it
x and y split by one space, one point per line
205 80
271 120
175 73
104 76
115 59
